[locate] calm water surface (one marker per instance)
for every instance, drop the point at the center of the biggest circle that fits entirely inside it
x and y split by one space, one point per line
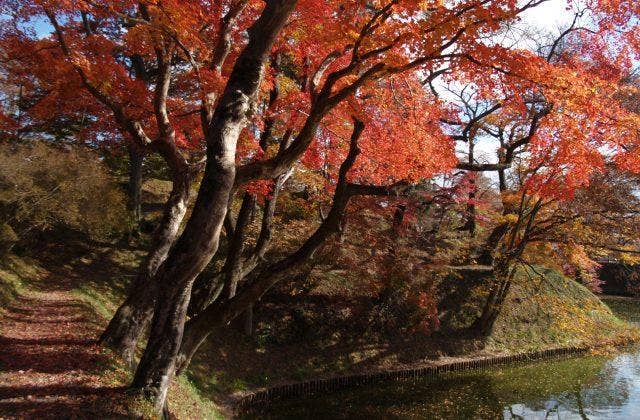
593 387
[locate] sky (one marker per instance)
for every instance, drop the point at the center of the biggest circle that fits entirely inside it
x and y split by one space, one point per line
549 15
42 27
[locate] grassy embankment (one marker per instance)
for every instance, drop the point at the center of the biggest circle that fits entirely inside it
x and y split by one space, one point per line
546 309
625 308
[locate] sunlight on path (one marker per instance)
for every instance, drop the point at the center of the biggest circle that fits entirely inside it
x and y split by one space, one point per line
49 364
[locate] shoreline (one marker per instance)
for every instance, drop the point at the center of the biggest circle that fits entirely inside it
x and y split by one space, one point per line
254 400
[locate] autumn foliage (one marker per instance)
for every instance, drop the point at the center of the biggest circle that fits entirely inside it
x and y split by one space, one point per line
255 99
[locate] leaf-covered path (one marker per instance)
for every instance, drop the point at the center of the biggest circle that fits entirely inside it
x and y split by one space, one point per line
50 366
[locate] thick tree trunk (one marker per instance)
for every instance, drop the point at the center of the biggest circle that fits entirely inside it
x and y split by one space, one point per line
186 260
199 241
134 188
131 318
206 290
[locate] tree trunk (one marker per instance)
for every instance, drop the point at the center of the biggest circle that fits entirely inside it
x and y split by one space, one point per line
488 249
186 260
199 241
232 270
398 217
470 224
222 312
483 326
134 189
206 290
131 318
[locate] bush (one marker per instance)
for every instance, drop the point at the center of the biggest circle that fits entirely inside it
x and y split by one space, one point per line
43 186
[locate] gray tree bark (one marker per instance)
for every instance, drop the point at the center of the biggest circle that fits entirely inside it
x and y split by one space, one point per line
134 314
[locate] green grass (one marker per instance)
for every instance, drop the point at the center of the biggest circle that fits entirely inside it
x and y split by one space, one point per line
185 398
482 394
192 394
10 286
544 309
103 306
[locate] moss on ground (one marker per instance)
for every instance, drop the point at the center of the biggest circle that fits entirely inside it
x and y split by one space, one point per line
543 310
13 274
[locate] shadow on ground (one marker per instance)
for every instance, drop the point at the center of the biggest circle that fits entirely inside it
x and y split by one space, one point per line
50 364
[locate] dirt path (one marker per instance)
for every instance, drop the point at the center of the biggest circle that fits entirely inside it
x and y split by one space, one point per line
50 366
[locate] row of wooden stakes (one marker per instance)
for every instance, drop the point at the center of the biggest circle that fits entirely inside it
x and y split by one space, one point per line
320 386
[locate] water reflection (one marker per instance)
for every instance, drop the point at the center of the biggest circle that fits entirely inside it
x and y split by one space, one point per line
581 388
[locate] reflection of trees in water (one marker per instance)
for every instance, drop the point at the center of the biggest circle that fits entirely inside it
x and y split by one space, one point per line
614 385
580 404
585 394
543 390
514 415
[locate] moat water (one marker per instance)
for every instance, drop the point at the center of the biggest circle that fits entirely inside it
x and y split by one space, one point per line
590 387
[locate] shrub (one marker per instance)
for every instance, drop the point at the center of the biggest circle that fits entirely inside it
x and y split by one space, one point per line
43 186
